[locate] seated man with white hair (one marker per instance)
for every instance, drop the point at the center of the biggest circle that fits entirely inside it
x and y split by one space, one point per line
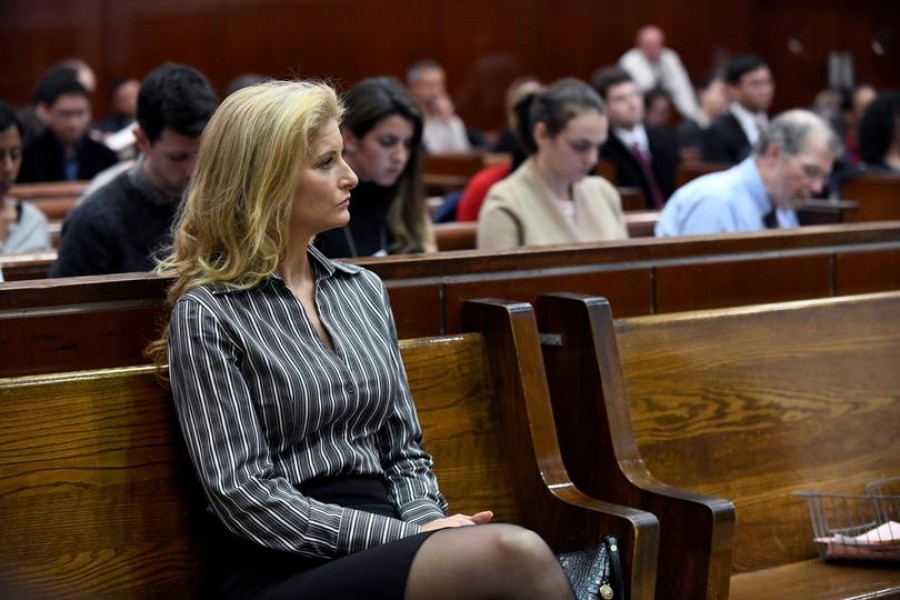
790 163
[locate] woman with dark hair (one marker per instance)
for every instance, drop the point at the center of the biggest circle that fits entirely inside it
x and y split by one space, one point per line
879 134
23 227
382 131
552 198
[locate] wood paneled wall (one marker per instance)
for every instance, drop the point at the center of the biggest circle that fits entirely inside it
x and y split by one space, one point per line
483 44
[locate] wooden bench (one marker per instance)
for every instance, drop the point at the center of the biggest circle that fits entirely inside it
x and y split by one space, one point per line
462 235
105 321
54 199
748 404
445 173
688 171
877 197
97 497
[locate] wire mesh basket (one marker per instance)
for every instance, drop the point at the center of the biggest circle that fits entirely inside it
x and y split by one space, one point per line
857 526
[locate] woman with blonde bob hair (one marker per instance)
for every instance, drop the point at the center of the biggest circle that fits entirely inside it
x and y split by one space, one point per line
290 390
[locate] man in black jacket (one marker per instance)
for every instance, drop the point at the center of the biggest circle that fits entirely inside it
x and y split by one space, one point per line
644 157
64 152
730 137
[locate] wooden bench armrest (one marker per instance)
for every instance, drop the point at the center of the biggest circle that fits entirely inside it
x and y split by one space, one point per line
588 392
566 517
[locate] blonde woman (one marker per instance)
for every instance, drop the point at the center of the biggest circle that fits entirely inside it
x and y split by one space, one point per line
290 389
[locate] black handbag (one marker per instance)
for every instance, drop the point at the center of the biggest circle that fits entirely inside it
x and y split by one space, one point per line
595 573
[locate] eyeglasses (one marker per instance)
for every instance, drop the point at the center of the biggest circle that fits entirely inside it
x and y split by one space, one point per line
810 171
813 173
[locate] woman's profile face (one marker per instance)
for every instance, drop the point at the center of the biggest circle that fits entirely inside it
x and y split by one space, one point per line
322 199
10 158
381 154
572 154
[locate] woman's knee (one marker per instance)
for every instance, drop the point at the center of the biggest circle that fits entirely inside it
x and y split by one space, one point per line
504 548
498 561
518 545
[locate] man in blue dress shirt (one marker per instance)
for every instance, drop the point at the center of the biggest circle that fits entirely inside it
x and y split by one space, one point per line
790 163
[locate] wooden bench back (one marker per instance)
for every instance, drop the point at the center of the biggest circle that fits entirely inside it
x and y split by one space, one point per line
748 404
94 322
462 235
752 404
97 498
877 198
688 171
54 199
598 449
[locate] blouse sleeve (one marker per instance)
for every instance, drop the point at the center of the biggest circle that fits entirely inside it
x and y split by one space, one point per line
407 465
231 456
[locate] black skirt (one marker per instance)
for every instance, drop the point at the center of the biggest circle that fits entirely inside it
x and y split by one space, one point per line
248 571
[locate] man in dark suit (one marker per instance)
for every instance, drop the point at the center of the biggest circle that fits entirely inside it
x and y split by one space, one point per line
64 152
644 157
730 137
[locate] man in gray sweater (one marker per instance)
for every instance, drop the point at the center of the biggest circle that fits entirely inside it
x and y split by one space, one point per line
119 227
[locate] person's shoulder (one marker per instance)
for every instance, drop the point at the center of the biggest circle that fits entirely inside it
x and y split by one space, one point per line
613 148
669 55
600 186
101 151
32 214
630 56
503 191
33 154
207 298
489 175
724 123
660 135
102 199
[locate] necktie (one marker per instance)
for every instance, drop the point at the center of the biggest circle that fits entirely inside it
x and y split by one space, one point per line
770 220
647 168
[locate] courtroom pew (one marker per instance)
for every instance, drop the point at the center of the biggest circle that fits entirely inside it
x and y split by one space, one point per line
461 235
749 404
95 322
54 199
449 237
98 499
599 452
450 172
632 199
26 266
877 197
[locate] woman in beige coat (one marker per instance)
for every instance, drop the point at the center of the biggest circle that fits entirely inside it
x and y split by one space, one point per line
553 198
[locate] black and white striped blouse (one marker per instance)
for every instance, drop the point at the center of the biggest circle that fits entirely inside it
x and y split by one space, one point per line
265 405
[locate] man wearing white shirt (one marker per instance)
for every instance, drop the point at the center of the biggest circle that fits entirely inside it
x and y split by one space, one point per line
653 65
751 90
443 130
790 164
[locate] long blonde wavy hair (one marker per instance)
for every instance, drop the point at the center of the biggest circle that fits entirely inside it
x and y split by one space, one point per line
233 225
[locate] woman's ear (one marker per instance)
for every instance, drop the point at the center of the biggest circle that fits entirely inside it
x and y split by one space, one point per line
539 131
